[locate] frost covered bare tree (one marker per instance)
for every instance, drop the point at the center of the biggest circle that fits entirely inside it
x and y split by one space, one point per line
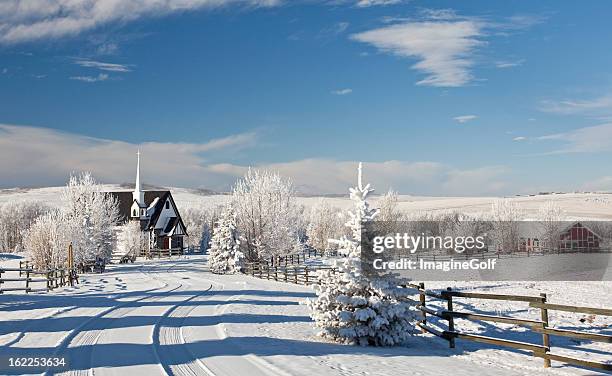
46 242
389 216
550 218
506 217
324 223
352 309
15 218
224 255
200 222
267 214
130 239
91 216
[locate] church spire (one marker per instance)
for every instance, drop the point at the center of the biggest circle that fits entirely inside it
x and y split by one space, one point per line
138 194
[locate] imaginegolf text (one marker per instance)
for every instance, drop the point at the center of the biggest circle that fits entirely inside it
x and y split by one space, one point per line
444 266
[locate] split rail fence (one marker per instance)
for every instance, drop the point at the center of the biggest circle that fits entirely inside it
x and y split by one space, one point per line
300 275
541 326
33 280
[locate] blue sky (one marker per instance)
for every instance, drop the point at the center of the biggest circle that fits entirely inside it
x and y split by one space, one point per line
436 97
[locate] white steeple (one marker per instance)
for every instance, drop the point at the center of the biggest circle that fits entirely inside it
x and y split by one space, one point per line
138 194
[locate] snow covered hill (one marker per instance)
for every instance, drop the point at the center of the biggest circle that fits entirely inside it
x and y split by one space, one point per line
576 205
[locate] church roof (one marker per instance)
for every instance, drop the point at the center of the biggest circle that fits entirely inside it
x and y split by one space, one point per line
126 199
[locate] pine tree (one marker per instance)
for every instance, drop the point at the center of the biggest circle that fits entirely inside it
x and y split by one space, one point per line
224 255
351 308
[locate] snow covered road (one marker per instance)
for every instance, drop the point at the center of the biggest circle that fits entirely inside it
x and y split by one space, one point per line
172 317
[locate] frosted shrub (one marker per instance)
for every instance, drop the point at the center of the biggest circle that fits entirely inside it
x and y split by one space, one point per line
15 218
352 309
45 241
224 255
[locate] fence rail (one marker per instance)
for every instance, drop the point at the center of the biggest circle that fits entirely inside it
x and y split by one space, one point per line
541 326
165 252
52 278
301 275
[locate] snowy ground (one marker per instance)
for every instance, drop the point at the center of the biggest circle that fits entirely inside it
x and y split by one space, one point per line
576 205
174 317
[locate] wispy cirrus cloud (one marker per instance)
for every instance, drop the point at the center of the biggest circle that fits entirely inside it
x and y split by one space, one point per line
598 106
465 118
110 67
24 21
91 79
442 44
509 63
582 140
342 91
374 3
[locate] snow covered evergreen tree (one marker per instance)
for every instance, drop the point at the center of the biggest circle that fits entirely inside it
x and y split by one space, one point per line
224 255
351 308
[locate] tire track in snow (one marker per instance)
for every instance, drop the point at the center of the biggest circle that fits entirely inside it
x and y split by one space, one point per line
82 336
63 312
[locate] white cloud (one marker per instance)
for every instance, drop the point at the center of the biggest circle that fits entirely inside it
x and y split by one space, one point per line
98 78
519 138
342 91
583 140
372 3
509 64
444 48
39 156
595 107
111 67
601 184
465 118
28 20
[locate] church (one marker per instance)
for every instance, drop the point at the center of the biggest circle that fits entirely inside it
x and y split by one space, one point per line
160 220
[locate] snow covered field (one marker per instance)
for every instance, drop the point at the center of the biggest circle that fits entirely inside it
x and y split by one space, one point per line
576 205
174 317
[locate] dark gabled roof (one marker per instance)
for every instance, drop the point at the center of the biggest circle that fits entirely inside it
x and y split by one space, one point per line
171 223
159 206
126 199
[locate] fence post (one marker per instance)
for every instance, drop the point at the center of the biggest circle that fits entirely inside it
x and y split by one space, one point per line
545 337
306 272
285 273
295 275
276 273
49 286
451 320
422 301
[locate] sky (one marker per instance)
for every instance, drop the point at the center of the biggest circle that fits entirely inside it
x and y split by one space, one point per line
435 97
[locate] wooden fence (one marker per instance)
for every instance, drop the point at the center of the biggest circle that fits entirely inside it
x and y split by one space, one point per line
541 326
165 253
33 279
298 274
